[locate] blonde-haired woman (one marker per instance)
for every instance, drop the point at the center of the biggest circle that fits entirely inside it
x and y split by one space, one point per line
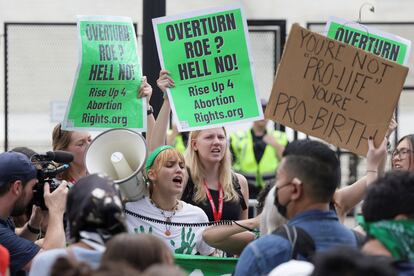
221 193
212 185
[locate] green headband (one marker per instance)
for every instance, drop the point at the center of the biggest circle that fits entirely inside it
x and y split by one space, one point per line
153 155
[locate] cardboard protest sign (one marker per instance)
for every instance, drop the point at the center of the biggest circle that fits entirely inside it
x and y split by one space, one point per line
334 91
108 77
208 56
385 45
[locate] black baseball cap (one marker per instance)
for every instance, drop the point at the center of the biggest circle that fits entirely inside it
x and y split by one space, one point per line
15 166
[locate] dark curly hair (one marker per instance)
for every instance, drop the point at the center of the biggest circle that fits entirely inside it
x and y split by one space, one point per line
389 196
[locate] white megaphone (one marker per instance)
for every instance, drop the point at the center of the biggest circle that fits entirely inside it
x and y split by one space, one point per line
120 154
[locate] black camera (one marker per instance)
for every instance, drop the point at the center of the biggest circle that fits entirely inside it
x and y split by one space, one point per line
48 166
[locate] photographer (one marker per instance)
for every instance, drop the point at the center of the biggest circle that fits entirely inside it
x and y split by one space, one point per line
17 179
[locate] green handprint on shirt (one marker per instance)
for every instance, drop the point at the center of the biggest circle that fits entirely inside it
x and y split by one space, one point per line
141 230
187 244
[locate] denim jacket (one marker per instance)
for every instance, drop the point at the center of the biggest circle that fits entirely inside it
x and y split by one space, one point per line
269 251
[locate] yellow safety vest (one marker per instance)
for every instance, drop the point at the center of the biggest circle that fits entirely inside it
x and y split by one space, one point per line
178 141
245 161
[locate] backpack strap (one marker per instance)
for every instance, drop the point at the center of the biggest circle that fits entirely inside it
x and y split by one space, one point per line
302 244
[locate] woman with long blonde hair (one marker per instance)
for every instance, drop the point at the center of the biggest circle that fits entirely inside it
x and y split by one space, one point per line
212 185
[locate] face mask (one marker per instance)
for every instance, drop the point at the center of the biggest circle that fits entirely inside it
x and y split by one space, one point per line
282 209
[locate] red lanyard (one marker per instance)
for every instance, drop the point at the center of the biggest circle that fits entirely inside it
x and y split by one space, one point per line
217 215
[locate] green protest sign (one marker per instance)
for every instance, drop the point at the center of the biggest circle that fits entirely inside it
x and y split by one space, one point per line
108 77
379 43
207 53
206 265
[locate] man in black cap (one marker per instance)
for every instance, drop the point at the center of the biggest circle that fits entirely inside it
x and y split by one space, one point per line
17 179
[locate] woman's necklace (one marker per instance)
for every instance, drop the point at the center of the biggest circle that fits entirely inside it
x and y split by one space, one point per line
167 218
